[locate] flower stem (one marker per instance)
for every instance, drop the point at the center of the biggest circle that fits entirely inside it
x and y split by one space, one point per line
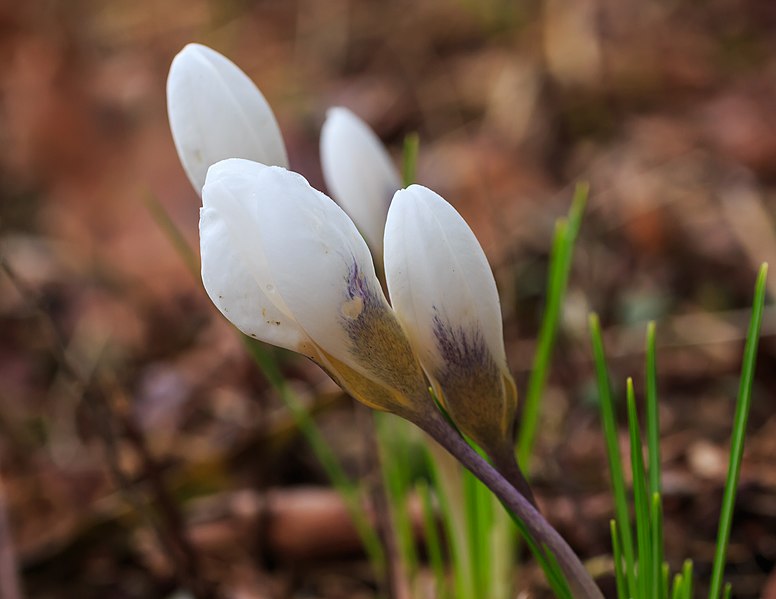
543 533
507 466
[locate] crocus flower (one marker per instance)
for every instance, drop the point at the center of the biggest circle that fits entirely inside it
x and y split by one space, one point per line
359 174
444 294
440 282
216 112
287 266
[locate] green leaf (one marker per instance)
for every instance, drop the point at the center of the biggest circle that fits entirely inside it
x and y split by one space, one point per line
613 454
739 432
677 590
643 534
173 233
394 447
433 540
410 158
619 577
653 418
560 265
687 576
656 520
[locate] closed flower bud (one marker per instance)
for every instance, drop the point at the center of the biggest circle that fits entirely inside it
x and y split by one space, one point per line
443 291
216 112
287 266
359 174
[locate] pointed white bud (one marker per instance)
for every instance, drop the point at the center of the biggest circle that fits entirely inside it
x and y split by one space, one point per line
444 293
359 173
286 265
216 112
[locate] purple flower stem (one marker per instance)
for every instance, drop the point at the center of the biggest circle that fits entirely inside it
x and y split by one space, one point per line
580 581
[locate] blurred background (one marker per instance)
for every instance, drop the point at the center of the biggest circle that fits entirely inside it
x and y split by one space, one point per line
113 362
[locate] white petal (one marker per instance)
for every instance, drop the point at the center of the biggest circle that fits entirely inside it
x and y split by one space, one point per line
237 289
320 264
439 279
359 173
305 250
234 271
216 112
309 268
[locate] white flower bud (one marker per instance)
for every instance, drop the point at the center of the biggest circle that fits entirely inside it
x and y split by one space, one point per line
444 294
216 112
359 174
287 266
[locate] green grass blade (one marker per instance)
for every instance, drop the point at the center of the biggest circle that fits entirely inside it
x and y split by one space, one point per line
739 431
613 454
728 591
349 491
687 576
641 505
478 546
560 265
173 233
619 577
394 457
653 417
410 158
653 445
549 564
554 575
529 417
665 573
503 551
656 520
446 477
676 591
436 558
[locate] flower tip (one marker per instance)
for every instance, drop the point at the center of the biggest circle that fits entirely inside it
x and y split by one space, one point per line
426 195
410 199
234 166
217 112
359 172
186 59
337 113
339 128
196 47
190 49
344 123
